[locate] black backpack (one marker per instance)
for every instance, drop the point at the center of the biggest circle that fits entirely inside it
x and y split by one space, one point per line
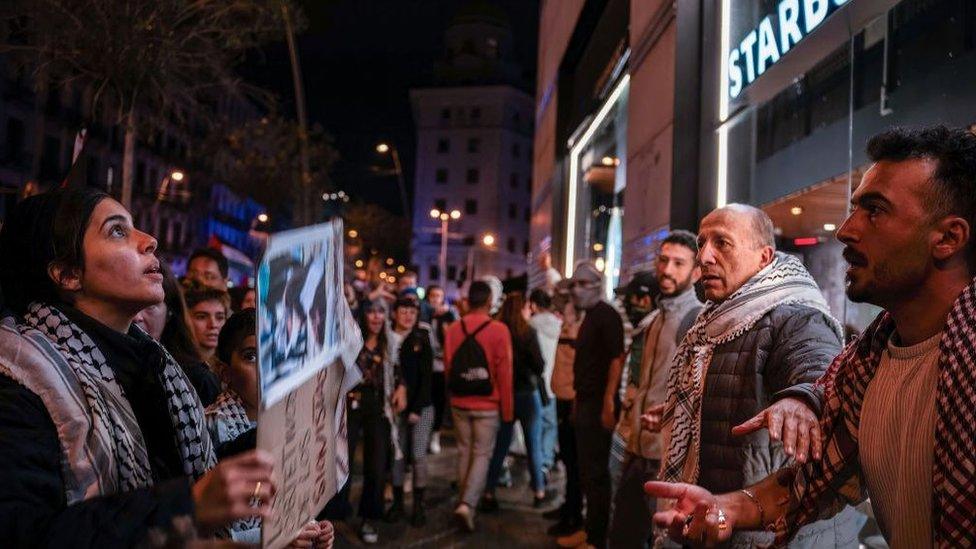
470 375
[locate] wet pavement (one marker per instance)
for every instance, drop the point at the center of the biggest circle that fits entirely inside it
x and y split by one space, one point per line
516 524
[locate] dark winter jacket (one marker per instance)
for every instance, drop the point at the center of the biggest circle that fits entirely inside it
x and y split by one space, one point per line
33 506
528 361
33 510
782 355
416 365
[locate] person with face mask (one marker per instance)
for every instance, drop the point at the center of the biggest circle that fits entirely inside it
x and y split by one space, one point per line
660 331
637 298
765 333
596 379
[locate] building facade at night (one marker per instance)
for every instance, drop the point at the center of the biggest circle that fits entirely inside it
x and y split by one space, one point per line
474 155
605 122
664 111
174 198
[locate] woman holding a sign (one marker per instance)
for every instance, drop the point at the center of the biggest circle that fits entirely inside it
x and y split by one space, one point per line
97 419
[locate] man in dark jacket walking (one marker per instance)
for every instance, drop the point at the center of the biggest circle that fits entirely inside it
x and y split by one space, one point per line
765 333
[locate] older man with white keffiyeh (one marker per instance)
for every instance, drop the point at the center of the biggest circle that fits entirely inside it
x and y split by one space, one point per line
765 333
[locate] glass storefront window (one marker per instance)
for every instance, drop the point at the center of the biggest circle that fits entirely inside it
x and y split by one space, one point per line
793 143
597 183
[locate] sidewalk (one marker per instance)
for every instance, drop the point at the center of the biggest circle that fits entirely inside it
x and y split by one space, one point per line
515 525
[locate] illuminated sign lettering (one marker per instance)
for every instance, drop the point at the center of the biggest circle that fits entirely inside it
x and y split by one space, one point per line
775 35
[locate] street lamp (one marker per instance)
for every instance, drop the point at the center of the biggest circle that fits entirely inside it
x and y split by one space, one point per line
263 218
384 148
177 175
445 218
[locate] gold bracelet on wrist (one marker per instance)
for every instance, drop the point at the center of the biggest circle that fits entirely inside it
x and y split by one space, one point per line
755 501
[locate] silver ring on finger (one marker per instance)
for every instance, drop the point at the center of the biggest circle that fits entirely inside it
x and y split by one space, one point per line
255 500
686 529
723 521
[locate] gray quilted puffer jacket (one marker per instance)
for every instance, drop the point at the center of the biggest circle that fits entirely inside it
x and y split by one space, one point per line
782 355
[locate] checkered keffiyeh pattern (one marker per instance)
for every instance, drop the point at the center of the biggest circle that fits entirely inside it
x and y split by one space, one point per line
819 488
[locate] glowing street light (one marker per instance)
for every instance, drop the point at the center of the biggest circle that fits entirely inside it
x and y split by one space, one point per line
382 148
389 261
445 218
359 263
401 269
177 175
353 233
263 217
488 240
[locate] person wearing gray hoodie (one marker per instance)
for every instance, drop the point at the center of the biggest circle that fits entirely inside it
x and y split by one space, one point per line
547 327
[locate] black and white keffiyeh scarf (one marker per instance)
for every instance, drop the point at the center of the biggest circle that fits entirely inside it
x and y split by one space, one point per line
103 450
782 282
227 418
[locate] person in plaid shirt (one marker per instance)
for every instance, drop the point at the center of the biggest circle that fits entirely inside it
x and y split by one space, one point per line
898 406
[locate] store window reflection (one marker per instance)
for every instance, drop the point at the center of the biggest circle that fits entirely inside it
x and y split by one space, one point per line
798 152
598 169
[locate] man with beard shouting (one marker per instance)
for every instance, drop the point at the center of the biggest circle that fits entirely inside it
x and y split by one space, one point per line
899 404
765 333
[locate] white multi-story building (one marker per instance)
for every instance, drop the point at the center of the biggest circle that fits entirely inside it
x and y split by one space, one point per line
474 155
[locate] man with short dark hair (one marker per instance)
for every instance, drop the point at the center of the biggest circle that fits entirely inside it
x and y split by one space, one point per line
675 309
899 403
208 267
476 417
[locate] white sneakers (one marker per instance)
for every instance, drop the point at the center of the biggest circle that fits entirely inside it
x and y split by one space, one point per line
435 442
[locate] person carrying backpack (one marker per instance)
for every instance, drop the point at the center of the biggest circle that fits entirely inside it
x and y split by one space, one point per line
478 367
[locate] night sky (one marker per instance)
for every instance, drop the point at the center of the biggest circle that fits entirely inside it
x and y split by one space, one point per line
360 58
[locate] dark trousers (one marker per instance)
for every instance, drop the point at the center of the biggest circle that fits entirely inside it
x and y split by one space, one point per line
633 510
573 506
593 446
364 419
438 394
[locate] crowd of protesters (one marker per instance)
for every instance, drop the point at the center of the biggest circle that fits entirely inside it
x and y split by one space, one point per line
723 371
713 402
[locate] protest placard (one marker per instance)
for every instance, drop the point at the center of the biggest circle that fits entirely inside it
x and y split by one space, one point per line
307 345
